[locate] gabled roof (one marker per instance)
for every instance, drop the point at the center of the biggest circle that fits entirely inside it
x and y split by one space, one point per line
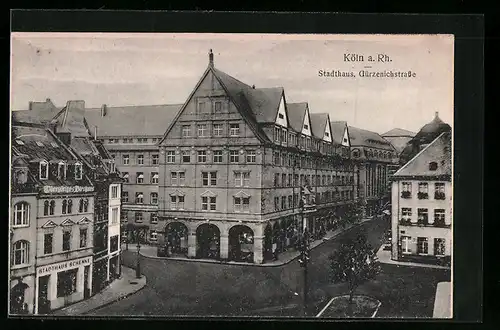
296 113
49 224
67 222
265 103
318 124
338 130
365 138
132 120
398 132
84 221
438 151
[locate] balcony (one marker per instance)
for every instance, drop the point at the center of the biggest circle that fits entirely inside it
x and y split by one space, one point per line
439 195
423 195
406 194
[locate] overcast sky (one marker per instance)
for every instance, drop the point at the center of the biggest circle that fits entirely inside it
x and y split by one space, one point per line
146 69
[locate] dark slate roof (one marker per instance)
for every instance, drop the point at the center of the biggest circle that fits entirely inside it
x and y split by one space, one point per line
265 103
398 132
71 119
362 137
438 151
132 120
318 124
296 113
338 129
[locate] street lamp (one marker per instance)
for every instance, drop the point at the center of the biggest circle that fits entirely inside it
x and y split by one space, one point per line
304 258
137 232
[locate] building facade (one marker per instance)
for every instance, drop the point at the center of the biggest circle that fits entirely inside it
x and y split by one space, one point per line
238 164
61 250
422 205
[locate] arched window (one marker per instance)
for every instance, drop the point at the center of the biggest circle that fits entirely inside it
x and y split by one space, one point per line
44 170
86 205
64 206
70 206
61 170
80 206
20 253
21 214
78 171
46 208
52 207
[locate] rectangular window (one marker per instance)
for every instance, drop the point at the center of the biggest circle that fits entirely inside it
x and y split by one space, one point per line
406 244
290 201
422 216
242 179
154 159
217 129
422 245
140 159
439 247
277 134
139 177
171 156
202 156
153 236
114 192
139 198
125 160
209 203
113 243
217 156
66 282
251 158
66 240
125 196
202 130
209 178
186 131
284 139
276 203
241 204
186 156
289 180
83 237
114 215
283 202
234 156
47 243
154 198
406 212
125 176
154 177
439 191
177 202
138 217
276 158
154 218
202 108
423 190
283 179
182 178
276 179
234 129
439 217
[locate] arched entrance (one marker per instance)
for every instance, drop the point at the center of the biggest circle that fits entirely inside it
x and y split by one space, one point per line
208 241
268 242
176 238
241 243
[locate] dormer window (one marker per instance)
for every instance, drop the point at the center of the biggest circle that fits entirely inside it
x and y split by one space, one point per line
21 143
61 170
44 170
78 171
433 166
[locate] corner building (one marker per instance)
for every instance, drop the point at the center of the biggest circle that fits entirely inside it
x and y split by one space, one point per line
234 164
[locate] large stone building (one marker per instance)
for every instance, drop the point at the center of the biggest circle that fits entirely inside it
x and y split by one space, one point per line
70 128
50 234
422 204
236 160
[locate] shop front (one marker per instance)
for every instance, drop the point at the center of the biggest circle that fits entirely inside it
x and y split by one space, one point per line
21 295
100 274
63 283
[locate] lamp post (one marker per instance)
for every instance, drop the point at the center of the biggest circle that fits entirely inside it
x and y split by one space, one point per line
304 258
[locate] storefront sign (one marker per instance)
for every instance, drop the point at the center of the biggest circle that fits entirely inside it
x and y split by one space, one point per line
62 266
66 189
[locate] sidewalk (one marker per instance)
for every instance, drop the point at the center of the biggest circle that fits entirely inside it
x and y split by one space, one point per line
385 258
284 258
121 288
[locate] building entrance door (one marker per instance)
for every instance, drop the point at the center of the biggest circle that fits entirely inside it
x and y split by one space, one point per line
43 295
86 286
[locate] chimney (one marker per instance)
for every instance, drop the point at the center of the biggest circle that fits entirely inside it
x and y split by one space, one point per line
47 100
210 59
103 110
253 86
436 114
30 105
95 133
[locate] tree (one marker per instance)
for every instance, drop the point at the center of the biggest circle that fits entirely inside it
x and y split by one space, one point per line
354 212
354 263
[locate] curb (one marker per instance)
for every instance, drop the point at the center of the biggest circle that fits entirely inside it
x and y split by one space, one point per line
117 299
250 264
338 297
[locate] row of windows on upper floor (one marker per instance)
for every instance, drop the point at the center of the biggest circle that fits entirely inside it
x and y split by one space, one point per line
139 159
312 180
131 140
21 216
283 136
139 198
60 170
423 190
439 219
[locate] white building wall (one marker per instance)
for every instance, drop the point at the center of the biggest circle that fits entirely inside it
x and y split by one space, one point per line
114 223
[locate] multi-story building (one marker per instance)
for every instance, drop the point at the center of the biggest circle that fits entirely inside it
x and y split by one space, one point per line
422 204
56 215
234 164
372 155
130 134
69 125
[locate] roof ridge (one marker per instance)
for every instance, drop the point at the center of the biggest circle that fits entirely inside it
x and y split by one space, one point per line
135 106
236 79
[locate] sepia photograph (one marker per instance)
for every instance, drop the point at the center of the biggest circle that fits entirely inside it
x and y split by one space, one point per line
231 175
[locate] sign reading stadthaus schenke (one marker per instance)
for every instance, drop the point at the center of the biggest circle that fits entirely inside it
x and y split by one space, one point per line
66 189
59 267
